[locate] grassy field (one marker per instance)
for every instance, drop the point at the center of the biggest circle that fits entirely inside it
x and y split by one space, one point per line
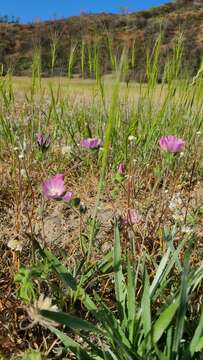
101 217
79 88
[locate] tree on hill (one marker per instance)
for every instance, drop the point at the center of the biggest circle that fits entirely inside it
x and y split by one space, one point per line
188 2
9 19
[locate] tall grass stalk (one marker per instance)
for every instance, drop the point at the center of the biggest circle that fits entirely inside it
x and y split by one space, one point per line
71 59
111 124
36 72
83 48
112 56
90 60
54 44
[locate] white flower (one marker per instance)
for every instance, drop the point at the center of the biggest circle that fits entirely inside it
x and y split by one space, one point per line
131 138
43 303
178 217
15 245
23 173
186 230
21 156
66 150
175 202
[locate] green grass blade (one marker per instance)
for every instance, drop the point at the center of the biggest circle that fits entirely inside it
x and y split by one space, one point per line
111 325
196 278
197 335
146 306
164 320
120 288
199 345
180 318
169 339
159 273
168 237
65 276
71 321
98 353
72 345
174 259
131 303
102 266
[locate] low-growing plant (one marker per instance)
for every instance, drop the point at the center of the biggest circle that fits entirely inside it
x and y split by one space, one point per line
151 324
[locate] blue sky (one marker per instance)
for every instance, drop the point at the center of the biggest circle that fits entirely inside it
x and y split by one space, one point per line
29 10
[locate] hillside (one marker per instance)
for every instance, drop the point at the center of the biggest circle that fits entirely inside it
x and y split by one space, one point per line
89 34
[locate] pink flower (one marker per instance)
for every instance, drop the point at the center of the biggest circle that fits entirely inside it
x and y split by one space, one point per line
68 196
133 217
43 141
121 168
171 143
54 188
90 143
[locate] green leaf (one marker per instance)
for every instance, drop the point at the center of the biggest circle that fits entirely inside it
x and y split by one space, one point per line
180 318
160 354
120 288
159 273
146 306
71 321
169 237
111 325
27 287
72 345
196 279
169 339
131 304
100 355
86 299
173 260
75 202
65 276
199 345
164 320
197 335
102 266
111 356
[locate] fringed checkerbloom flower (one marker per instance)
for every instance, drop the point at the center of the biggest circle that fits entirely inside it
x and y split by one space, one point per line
121 168
171 143
54 188
132 217
43 141
91 143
